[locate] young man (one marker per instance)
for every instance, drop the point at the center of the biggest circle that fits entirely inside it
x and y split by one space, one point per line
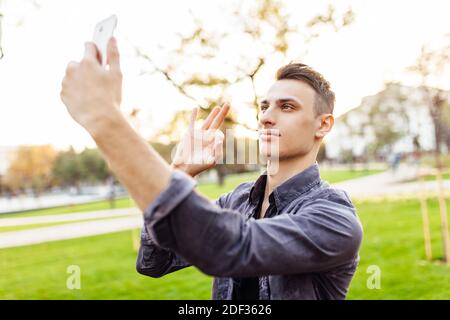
288 235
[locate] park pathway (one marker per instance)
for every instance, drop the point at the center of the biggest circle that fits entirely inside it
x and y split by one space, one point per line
68 231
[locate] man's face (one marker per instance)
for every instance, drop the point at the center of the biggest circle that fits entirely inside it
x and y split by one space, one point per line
287 121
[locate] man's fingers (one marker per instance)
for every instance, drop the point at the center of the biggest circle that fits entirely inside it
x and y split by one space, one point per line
193 118
71 67
90 51
113 56
218 146
218 152
220 117
210 118
218 138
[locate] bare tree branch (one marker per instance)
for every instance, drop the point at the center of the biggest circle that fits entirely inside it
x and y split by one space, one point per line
204 44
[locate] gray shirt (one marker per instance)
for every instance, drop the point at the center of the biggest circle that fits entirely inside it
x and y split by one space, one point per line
305 248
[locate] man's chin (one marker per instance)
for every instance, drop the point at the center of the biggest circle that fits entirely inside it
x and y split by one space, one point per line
269 155
273 160
278 155
269 150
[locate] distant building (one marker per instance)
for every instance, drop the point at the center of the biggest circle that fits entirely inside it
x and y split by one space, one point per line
410 115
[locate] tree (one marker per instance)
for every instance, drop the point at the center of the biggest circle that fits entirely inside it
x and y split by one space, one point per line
31 168
93 167
72 169
430 65
382 120
1 23
35 4
265 25
67 169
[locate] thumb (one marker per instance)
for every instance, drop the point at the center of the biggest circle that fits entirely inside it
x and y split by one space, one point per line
113 56
90 51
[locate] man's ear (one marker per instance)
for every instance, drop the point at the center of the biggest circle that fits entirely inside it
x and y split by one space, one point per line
326 122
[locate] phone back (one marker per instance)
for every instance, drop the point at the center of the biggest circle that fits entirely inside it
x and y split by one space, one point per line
102 33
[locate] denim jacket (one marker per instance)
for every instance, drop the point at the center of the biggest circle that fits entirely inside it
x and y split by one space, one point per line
306 247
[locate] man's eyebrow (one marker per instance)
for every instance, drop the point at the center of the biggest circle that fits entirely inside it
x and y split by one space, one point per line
290 99
284 99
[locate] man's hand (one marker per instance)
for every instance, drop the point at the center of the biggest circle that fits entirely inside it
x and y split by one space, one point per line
201 148
91 93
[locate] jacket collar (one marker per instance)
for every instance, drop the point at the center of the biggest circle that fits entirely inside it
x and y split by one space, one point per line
289 190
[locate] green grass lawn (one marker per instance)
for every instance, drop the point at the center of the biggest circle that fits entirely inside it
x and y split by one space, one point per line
392 240
334 176
107 264
431 177
91 206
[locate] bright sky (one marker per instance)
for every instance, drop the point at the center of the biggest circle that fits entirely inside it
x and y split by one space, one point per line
39 42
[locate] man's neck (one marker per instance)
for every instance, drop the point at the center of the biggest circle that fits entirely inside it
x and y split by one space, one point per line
279 172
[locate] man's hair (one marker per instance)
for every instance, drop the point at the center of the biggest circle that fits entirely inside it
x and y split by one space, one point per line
324 100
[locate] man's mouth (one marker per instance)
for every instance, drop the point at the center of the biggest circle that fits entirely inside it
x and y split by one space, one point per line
268 134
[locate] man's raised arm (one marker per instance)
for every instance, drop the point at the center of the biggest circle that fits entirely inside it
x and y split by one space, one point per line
92 96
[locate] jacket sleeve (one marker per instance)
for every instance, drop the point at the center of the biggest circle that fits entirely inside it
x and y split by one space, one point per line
155 261
320 236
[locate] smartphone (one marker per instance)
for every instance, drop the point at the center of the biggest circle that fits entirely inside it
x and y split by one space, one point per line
103 31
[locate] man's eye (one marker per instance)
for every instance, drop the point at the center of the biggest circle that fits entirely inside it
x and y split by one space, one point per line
287 106
263 108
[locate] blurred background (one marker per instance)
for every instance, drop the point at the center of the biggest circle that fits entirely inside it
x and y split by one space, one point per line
60 206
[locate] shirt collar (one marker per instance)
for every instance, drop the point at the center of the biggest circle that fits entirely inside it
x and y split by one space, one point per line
289 190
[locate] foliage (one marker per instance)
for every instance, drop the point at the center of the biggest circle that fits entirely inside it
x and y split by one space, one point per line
31 168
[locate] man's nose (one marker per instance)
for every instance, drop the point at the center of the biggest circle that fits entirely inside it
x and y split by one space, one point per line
267 118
